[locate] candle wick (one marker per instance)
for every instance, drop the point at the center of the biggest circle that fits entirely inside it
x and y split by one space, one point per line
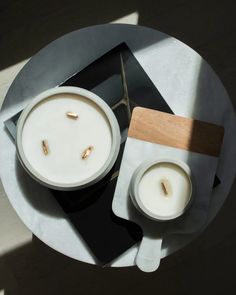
45 147
164 188
72 115
86 153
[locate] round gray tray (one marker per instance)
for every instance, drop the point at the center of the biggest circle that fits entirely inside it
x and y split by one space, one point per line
184 79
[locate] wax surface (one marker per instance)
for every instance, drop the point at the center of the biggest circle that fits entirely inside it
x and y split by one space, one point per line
67 138
153 197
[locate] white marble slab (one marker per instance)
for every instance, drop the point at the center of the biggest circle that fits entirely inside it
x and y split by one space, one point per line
185 80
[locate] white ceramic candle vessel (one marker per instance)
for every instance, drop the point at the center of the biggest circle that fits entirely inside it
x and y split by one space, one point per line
67 138
162 189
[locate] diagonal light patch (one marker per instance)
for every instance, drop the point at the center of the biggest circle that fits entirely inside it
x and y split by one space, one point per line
7 76
131 19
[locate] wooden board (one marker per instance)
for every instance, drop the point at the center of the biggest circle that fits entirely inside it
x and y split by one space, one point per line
175 131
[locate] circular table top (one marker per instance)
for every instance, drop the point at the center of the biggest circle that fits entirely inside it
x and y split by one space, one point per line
184 79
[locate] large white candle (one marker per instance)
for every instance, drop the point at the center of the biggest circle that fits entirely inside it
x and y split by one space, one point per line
163 191
78 146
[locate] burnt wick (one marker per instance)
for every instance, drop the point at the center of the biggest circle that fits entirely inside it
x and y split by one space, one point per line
164 186
45 147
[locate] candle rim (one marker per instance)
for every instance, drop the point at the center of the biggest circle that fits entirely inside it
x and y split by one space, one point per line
115 136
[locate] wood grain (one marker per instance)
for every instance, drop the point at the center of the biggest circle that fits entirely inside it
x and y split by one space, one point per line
175 131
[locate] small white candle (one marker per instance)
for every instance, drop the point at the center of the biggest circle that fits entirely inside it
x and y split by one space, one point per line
79 143
163 191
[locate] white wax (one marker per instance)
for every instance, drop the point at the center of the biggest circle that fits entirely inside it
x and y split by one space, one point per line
67 138
153 197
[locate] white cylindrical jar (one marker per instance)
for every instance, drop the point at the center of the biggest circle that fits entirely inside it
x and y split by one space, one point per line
162 189
67 138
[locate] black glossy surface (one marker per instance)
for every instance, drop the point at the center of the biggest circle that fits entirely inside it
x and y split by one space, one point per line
90 209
